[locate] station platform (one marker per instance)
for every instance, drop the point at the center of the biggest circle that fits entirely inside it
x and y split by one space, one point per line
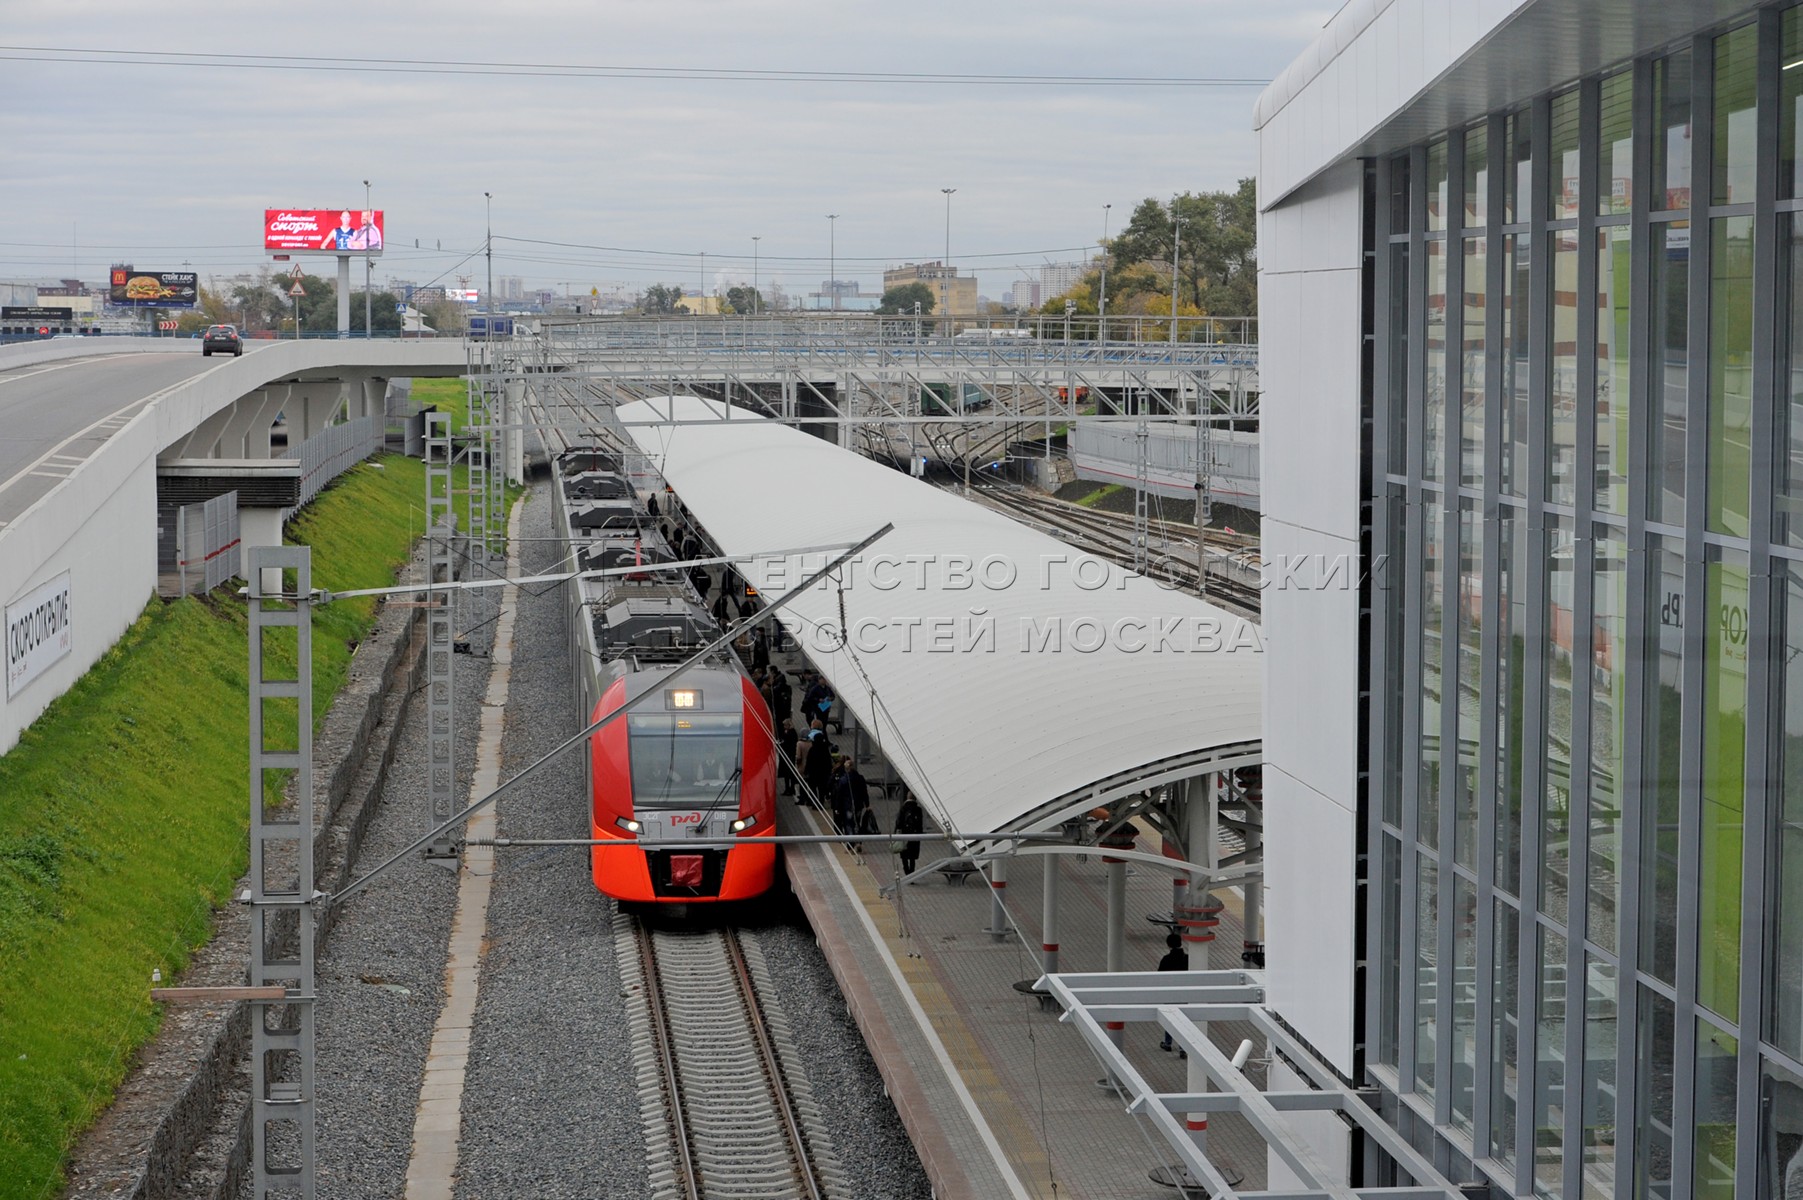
1001 1098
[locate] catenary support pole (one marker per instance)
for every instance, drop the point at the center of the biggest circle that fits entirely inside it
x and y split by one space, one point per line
998 907
281 894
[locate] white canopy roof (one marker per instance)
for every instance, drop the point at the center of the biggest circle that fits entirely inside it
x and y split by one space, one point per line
1012 680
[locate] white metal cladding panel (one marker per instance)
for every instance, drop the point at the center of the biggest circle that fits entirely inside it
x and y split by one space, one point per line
992 734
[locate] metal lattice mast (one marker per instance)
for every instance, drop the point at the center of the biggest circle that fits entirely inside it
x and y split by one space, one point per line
476 455
441 528
281 891
1141 435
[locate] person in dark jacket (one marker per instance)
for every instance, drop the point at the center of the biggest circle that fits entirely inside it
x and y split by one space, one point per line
787 739
1176 958
909 818
817 771
760 649
699 577
851 796
782 696
651 504
817 701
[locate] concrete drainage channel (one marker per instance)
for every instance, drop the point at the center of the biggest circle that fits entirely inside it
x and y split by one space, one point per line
179 1125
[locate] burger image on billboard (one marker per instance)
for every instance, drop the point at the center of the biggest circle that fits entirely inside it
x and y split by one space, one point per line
132 288
323 230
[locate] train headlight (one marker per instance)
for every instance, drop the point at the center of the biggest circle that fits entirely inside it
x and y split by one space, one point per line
628 824
743 823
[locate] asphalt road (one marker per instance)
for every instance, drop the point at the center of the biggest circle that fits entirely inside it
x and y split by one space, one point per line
54 415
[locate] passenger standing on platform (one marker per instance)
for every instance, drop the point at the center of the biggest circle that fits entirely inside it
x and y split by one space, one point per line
782 694
785 766
817 770
856 797
720 617
699 577
1176 958
817 701
909 819
651 504
760 649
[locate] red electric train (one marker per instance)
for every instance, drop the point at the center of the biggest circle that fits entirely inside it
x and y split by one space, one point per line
695 757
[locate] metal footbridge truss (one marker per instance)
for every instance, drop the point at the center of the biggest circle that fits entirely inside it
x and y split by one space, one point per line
890 386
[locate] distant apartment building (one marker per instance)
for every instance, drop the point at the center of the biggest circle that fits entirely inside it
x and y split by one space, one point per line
1025 294
953 294
1055 279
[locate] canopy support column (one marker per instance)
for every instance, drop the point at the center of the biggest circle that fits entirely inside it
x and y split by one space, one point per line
998 908
1048 944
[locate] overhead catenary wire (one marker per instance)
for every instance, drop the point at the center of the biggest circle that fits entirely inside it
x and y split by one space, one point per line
106 56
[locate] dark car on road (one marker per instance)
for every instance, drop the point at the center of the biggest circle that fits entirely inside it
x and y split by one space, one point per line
223 338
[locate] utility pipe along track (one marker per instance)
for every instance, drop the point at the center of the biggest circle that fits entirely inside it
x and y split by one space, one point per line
727 1109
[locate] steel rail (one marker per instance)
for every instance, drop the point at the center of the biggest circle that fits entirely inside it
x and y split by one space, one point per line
773 1070
666 1056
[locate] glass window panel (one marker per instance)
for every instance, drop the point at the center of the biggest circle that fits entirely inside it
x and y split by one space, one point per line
1549 1081
1562 466
1730 374
1434 406
1477 178
1790 109
1470 716
1505 1036
1512 530
1788 503
1612 369
1713 1161
1780 1133
1655 1040
1433 610
1389 982
1399 358
1598 1174
1555 827
1736 114
1471 375
1436 186
1616 158
1521 168
1563 158
1724 783
1785 1024
1427 954
1664 648
1463 981
1608 722
1671 132
1670 367
1399 194
1516 411
1397 617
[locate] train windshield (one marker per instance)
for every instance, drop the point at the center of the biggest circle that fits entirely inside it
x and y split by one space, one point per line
684 762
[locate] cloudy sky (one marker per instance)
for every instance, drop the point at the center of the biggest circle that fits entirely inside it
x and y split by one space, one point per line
163 156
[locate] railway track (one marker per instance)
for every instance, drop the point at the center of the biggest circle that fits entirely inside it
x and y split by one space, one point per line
1233 563
727 1109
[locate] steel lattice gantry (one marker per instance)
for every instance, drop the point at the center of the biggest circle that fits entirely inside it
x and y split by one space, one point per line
867 378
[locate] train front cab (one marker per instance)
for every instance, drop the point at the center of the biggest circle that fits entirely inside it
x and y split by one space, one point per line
696 760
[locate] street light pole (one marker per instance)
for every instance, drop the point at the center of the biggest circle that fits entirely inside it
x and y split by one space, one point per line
369 222
704 281
1176 251
832 257
1102 301
754 274
945 282
488 245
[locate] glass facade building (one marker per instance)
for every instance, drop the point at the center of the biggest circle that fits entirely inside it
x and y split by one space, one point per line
1584 768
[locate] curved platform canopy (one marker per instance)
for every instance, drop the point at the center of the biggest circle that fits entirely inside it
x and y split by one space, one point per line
1013 681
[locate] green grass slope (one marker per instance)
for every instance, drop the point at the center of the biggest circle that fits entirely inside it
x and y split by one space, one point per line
122 823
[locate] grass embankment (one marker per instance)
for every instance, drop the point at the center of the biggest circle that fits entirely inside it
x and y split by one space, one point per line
123 822
446 395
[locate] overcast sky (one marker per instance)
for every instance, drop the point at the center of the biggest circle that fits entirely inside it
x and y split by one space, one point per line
160 163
